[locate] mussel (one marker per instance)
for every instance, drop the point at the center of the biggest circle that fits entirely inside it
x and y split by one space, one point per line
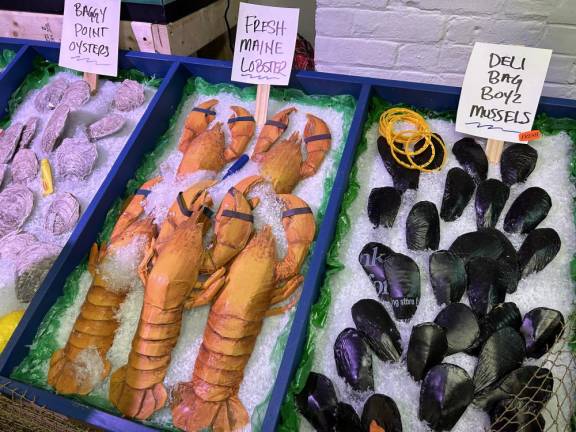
507 262
380 413
371 259
472 158
447 276
484 289
491 198
403 178
353 360
529 383
318 402
423 227
378 328
541 328
460 326
517 163
426 348
501 315
347 420
446 392
477 244
383 205
538 250
427 159
502 352
527 211
511 415
403 277
458 191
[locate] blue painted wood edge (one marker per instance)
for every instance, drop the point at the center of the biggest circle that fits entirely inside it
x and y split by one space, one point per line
70 408
96 202
315 274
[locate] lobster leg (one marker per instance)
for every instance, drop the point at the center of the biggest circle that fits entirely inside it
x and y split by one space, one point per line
286 291
137 389
213 286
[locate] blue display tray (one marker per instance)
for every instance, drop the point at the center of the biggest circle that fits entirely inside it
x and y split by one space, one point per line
175 72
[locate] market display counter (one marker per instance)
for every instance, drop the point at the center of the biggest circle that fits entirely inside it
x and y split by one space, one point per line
344 103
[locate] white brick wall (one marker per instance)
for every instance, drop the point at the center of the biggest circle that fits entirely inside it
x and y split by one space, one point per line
431 40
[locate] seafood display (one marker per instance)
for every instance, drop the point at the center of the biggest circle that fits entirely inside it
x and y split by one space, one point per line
178 313
49 137
450 304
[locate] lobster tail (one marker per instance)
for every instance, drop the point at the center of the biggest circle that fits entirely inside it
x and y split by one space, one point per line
192 413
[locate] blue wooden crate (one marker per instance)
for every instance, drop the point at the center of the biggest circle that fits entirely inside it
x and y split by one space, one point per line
176 71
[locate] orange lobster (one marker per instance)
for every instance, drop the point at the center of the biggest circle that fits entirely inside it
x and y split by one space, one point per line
210 399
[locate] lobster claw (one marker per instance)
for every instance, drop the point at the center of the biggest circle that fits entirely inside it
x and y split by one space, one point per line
271 131
242 127
197 122
318 140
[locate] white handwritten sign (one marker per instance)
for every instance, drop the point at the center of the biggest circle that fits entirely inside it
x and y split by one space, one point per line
265 41
90 34
501 90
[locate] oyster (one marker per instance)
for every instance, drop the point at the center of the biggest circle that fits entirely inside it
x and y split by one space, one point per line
62 214
54 128
24 166
76 158
108 125
129 96
29 132
383 205
15 243
33 265
16 202
9 141
50 96
77 94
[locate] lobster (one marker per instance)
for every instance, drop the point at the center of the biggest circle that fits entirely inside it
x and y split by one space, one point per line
210 399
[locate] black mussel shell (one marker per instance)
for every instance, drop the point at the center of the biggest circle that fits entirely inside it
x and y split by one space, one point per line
511 415
403 178
446 392
427 348
484 289
460 325
378 328
517 163
541 328
371 259
491 197
347 419
538 250
502 352
423 227
471 156
353 360
423 159
447 276
403 277
508 274
527 211
383 205
502 315
381 410
318 402
477 244
458 191
532 384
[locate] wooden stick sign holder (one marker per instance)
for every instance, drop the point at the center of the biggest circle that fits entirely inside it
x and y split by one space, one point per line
92 80
494 150
262 98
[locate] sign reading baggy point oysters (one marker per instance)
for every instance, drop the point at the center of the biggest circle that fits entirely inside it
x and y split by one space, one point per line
90 35
265 41
501 90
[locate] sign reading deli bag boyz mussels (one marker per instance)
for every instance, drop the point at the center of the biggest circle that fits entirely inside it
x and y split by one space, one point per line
501 90
90 35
